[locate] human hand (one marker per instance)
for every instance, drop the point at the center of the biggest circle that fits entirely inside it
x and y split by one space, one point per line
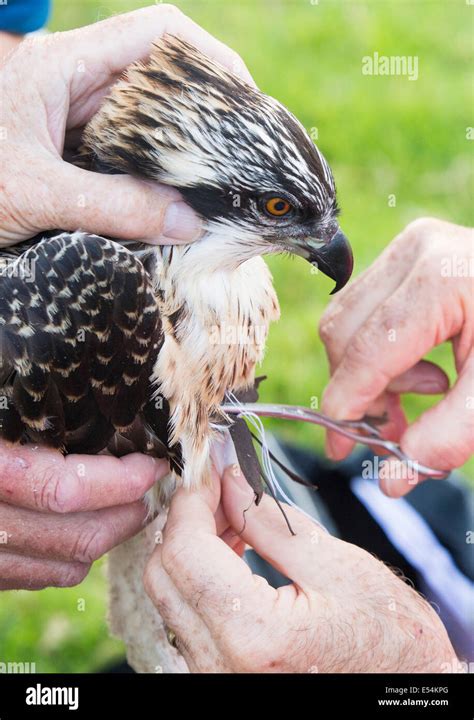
416 295
59 514
344 611
50 87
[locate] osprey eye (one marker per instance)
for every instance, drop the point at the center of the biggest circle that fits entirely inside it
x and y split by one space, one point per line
277 206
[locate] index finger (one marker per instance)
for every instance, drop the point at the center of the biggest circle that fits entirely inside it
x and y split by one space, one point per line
388 344
43 479
302 557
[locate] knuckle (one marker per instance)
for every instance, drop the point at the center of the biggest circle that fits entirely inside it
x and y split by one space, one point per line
358 352
91 543
420 225
171 11
50 479
324 325
419 231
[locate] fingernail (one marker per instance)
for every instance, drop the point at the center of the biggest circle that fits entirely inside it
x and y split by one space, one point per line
180 223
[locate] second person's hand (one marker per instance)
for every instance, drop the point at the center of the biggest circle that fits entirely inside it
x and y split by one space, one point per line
416 295
343 612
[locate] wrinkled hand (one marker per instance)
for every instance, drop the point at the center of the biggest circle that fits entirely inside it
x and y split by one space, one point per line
344 612
50 87
59 514
416 295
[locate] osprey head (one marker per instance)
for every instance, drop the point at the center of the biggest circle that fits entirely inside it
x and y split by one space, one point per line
237 156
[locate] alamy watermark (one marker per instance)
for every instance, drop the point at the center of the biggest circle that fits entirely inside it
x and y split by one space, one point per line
395 65
454 266
25 269
43 695
399 469
16 668
227 334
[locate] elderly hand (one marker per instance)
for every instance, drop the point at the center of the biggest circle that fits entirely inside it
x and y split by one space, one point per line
344 611
59 514
416 295
50 87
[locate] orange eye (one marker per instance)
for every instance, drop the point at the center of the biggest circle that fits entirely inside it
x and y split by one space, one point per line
277 206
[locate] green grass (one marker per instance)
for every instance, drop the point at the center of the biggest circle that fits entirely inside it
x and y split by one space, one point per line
381 136
59 630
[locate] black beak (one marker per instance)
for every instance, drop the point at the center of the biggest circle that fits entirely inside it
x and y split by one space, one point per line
331 254
333 258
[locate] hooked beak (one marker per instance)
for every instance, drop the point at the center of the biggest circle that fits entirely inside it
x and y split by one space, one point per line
333 257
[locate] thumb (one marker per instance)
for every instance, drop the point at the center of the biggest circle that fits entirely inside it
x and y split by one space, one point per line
119 206
442 438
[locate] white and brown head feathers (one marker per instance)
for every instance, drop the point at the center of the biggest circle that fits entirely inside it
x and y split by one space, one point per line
239 158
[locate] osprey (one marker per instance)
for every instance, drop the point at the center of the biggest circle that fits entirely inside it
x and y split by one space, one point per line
114 344
126 346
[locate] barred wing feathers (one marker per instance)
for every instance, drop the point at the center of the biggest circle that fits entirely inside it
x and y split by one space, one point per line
80 331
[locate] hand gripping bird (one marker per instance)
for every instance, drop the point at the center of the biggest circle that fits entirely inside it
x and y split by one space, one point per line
113 344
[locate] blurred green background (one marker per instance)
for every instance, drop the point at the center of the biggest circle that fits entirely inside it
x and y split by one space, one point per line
382 136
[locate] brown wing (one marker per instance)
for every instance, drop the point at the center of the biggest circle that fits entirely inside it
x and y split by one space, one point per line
80 331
